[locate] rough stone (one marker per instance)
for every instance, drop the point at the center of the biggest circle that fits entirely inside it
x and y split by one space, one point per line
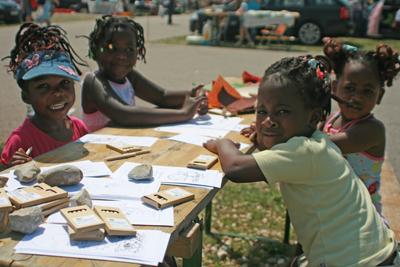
27 172
26 220
82 198
3 181
141 172
61 175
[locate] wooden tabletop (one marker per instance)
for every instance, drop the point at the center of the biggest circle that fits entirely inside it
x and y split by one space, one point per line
163 152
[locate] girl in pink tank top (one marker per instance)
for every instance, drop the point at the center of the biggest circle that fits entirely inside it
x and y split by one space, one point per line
360 80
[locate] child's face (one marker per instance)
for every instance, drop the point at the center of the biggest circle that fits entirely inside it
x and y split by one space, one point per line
359 84
281 115
51 96
119 56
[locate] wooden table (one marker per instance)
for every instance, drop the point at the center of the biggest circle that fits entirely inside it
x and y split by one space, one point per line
163 152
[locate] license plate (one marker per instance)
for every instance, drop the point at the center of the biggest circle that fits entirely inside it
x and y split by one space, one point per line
13 13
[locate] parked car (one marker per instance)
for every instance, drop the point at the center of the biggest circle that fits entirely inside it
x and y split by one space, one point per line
76 5
10 11
318 18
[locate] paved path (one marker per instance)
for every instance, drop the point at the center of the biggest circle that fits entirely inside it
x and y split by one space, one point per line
177 67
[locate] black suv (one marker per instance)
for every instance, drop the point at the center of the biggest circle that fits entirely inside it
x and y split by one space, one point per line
318 18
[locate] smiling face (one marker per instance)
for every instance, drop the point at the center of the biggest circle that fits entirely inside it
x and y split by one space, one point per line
51 96
359 85
281 114
117 57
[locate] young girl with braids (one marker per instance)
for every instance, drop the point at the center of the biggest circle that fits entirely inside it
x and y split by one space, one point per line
108 95
45 69
361 77
329 206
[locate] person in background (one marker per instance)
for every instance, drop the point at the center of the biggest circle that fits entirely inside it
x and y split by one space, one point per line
47 12
44 67
244 32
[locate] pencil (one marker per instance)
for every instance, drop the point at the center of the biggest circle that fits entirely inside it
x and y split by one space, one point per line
127 155
28 151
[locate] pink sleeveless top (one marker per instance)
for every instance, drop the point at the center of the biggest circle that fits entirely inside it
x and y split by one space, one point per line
365 165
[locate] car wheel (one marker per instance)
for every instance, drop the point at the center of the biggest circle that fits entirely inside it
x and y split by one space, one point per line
309 33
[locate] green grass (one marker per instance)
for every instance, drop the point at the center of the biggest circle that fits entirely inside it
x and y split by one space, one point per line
362 43
250 210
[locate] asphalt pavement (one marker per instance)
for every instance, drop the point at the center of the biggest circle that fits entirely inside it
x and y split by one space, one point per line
177 67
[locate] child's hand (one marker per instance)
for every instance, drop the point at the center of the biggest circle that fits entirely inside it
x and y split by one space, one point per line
198 91
193 104
250 132
211 145
19 157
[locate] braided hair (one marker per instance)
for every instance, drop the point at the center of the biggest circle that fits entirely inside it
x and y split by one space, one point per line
106 26
308 75
32 38
384 58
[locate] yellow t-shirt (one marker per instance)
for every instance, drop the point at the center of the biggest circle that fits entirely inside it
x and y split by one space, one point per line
329 206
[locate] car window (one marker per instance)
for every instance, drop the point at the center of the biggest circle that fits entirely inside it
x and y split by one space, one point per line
323 2
292 3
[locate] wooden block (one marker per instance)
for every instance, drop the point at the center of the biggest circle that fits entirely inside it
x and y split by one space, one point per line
203 162
33 195
95 235
82 219
115 221
54 209
123 149
168 197
187 243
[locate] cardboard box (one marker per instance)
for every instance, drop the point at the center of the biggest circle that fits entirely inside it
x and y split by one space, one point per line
168 197
36 194
115 221
82 219
203 162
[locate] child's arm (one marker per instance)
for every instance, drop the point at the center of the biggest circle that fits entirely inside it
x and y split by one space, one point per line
153 93
238 167
364 136
96 97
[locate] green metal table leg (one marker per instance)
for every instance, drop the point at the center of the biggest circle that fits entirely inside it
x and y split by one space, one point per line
286 236
208 217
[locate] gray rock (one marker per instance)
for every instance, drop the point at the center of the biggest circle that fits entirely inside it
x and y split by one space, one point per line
26 220
141 172
27 172
82 198
61 175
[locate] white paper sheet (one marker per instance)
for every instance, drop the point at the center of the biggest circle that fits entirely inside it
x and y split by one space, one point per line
112 189
118 139
209 123
136 212
175 175
197 140
148 246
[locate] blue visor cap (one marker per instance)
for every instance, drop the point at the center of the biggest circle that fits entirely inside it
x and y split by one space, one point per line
46 63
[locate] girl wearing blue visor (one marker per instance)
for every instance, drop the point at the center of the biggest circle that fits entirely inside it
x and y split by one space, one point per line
45 69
